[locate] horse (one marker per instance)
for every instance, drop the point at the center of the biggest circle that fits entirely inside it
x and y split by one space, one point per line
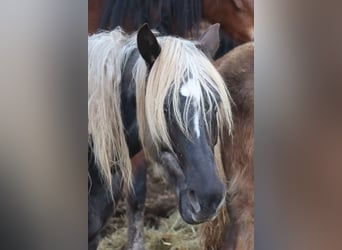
177 128
237 152
177 17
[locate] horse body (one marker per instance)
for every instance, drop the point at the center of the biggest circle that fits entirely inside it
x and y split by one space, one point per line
176 127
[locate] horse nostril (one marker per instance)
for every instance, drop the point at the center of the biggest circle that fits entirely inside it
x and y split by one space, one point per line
194 201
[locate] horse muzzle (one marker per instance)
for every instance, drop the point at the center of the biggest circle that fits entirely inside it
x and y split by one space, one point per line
197 203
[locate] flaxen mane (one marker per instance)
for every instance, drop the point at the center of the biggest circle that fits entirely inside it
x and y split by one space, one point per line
107 53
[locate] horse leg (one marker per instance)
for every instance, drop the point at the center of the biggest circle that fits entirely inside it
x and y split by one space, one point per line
100 205
237 238
136 204
94 242
100 209
240 235
230 238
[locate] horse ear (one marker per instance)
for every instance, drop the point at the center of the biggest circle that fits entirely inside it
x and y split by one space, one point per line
238 4
148 45
210 40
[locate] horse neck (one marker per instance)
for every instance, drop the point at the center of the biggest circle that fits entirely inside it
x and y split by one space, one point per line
129 107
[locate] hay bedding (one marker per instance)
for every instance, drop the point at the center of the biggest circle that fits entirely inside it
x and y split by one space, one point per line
164 228
172 234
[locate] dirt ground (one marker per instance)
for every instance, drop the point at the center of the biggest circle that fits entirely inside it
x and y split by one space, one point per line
164 228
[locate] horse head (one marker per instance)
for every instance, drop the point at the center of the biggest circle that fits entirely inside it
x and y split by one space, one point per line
235 16
183 106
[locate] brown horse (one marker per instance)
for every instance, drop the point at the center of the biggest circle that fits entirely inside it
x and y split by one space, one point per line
237 69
